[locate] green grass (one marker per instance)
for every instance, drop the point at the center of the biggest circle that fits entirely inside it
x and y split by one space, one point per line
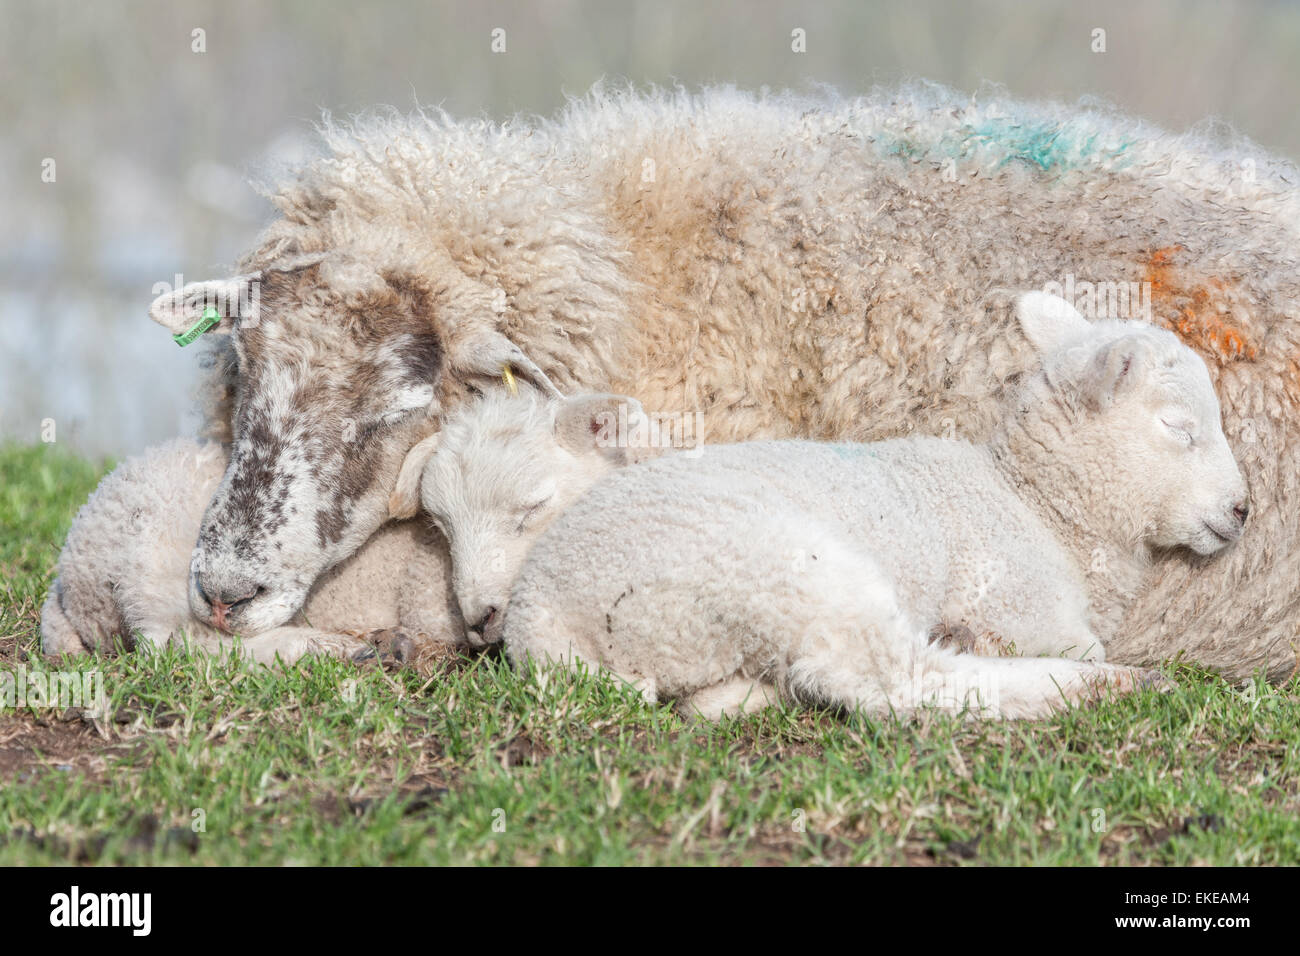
325 763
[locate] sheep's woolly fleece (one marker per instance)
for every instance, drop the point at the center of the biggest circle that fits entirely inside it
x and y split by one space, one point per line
839 268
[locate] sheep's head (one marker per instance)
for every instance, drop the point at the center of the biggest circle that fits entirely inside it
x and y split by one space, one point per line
1129 425
339 371
497 474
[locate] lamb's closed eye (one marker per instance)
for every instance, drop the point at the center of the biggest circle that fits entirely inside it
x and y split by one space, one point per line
529 512
1182 429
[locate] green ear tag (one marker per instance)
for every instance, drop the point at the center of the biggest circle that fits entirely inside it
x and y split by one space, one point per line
210 318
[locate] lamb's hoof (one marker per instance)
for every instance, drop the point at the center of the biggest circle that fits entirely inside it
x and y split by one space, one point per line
958 637
1150 679
1129 680
392 645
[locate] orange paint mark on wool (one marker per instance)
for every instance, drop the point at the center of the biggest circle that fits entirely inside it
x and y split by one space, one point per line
1199 315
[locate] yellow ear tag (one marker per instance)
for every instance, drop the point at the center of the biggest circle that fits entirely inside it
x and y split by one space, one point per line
508 376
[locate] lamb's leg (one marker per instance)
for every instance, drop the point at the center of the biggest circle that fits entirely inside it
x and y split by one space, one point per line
954 683
1028 687
873 659
550 643
809 611
855 647
732 698
58 634
80 613
426 603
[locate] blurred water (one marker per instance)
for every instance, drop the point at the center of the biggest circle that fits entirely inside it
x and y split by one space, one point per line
151 140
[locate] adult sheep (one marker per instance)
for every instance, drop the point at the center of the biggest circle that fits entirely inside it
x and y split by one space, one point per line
785 266
504 467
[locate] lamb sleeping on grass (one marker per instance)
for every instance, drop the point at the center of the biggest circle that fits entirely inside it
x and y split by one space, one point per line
124 571
821 572
496 476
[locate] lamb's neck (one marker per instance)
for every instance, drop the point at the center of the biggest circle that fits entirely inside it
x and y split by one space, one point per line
1113 567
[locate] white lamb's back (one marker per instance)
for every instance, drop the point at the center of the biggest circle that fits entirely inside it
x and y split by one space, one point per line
925 512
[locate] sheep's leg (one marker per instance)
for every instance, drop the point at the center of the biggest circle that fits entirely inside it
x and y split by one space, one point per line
288 644
730 698
291 644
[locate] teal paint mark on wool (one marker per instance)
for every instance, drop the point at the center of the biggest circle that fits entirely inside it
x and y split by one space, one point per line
1045 145
851 451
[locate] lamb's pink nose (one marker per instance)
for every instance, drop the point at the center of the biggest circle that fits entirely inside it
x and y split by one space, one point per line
479 627
1241 511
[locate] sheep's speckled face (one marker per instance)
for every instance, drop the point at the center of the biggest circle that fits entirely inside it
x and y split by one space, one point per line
338 372
330 396
503 470
1149 426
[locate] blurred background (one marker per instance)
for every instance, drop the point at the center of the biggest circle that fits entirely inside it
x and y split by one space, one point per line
124 148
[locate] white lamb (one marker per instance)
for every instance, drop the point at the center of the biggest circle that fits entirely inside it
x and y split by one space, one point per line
507 466
497 475
823 572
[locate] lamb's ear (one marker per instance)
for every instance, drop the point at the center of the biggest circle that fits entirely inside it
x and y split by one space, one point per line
404 502
235 300
1113 369
1048 320
486 354
609 425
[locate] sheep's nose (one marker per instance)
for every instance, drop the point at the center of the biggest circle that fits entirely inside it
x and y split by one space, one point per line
230 593
1241 511
198 586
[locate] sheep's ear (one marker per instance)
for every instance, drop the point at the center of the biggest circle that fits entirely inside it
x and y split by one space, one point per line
181 310
609 425
1114 369
1049 321
486 354
404 502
